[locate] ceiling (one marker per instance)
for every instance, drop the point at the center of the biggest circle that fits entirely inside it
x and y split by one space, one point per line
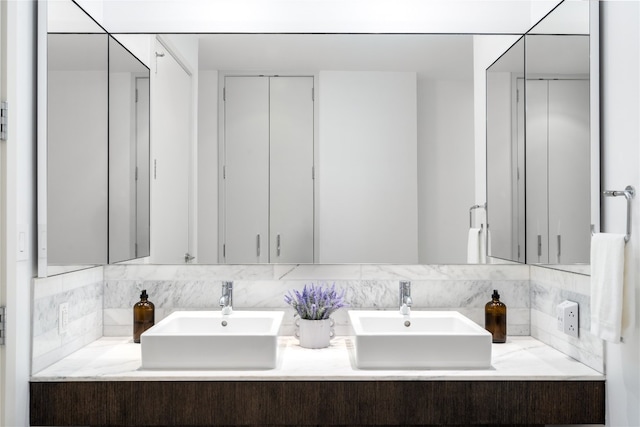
431 55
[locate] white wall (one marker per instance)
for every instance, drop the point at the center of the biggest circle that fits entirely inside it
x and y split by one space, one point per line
367 151
208 167
445 169
18 153
620 107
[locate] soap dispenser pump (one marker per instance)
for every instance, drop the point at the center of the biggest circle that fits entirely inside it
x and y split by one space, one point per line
495 318
143 316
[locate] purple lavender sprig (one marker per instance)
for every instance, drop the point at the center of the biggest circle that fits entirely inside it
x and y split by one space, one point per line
315 302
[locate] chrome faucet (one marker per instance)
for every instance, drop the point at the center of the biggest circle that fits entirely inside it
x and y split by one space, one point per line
405 297
226 300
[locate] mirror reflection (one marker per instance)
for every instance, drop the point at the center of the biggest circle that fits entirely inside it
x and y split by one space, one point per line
506 154
539 143
97 208
128 155
330 148
558 214
77 156
390 158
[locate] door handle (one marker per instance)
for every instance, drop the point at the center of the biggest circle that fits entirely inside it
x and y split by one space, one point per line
559 246
539 245
258 245
278 245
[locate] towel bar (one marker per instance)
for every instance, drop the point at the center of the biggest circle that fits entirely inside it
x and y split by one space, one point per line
471 209
628 194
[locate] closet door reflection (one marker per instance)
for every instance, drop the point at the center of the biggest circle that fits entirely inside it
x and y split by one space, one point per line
268 182
291 179
558 162
246 170
569 201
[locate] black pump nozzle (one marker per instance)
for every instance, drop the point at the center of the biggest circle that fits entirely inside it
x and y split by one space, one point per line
495 295
144 295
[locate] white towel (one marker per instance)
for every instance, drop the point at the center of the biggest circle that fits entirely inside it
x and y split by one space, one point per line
485 244
607 285
474 243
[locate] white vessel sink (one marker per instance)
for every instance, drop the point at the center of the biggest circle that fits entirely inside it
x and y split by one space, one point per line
430 340
210 340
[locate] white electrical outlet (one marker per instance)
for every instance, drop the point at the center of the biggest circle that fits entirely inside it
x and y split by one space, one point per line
63 317
567 314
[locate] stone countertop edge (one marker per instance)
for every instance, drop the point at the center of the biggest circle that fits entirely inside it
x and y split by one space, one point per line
119 359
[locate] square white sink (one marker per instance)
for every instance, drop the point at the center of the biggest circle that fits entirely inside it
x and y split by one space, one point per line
421 340
209 340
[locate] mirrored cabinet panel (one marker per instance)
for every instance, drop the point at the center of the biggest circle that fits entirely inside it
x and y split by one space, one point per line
540 143
557 149
128 155
77 155
96 204
505 154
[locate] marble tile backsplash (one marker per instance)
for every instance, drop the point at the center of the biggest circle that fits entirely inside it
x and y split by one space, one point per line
170 288
83 290
101 299
549 288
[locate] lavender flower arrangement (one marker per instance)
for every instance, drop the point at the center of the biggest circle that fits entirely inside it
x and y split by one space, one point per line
315 302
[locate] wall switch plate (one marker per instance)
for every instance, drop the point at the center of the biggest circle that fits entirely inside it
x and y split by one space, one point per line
567 314
23 243
63 317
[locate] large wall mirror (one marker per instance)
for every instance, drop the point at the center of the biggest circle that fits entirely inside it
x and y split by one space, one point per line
390 167
541 144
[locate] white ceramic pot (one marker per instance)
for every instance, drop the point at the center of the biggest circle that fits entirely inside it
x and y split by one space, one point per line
314 333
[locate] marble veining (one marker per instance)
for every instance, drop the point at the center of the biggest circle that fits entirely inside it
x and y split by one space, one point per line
549 288
117 358
316 271
172 294
83 291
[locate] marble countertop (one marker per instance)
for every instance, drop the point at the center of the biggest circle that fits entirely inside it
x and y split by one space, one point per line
118 359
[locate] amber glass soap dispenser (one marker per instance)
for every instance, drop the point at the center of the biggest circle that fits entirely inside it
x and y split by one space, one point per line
495 318
143 316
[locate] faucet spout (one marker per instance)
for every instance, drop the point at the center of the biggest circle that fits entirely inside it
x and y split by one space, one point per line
226 300
405 297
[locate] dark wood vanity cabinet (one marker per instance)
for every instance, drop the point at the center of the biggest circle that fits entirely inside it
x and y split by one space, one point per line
347 403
